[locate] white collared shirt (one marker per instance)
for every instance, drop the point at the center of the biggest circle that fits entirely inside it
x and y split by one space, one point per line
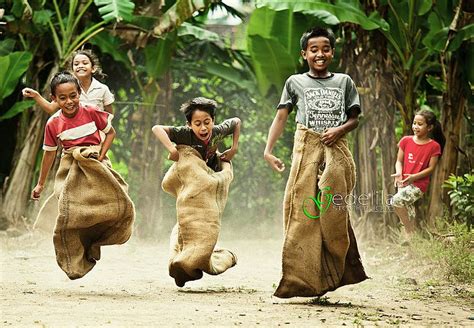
98 95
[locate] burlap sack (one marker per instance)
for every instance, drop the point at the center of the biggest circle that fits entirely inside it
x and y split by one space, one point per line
201 195
320 251
46 217
94 210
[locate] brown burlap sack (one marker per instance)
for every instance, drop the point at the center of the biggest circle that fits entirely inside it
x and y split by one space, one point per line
46 217
201 195
94 210
320 251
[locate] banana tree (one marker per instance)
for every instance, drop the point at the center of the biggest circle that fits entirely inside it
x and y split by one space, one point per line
14 65
451 37
179 12
411 58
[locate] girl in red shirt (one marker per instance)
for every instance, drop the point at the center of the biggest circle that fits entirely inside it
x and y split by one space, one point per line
416 160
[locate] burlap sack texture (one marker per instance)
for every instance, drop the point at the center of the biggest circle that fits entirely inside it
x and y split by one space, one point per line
94 210
319 254
201 195
46 217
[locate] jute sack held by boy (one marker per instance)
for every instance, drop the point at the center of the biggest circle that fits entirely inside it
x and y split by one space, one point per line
201 195
93 205
94 210
320 251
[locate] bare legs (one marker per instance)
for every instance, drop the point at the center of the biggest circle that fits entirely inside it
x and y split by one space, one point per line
402 213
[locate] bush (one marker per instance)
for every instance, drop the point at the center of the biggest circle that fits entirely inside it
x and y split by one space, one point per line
451 250
462 197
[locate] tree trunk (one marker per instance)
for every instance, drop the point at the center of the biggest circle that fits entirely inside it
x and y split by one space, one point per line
375 145
146 167
19 184
454 105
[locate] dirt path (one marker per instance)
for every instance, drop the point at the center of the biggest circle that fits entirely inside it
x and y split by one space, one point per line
130 287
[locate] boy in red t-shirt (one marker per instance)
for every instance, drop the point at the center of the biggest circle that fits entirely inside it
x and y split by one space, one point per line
74 125
416 160
93 206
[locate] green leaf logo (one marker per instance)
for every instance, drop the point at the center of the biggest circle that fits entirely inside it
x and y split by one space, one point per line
322 205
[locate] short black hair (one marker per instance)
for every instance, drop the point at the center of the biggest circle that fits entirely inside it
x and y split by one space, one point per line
200 103
63 77
315 32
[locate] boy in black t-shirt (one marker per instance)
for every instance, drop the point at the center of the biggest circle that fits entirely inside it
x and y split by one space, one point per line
200 132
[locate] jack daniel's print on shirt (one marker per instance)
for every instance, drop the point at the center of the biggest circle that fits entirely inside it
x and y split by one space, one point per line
321 103
324 108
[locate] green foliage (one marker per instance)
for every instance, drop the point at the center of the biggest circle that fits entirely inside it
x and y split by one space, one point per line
118 165
341 11
13 67
111 45
197 32
65 28
275 28
18 108
230 74
441 38
461 193
273 45
158 57
6 46
451 251
42 17
178 13
273 65
436 83
115 9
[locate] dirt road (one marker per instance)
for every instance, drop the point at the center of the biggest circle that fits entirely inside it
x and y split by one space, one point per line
130 287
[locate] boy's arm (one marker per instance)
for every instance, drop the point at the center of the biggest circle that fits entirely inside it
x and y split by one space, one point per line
109 138
331 135
162 133
48 107
230 153
278 125
46 163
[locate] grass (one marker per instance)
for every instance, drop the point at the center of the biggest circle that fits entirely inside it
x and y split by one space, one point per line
452 250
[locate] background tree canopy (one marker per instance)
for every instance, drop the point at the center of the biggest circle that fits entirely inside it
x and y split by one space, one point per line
402 54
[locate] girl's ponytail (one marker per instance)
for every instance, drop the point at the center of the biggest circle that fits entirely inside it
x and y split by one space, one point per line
438 135
436 132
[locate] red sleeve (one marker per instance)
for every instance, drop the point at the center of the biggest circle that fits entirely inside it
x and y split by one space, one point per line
102 119
50 137
436 150
403 143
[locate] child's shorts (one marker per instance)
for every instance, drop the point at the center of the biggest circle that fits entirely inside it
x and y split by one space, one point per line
406 197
